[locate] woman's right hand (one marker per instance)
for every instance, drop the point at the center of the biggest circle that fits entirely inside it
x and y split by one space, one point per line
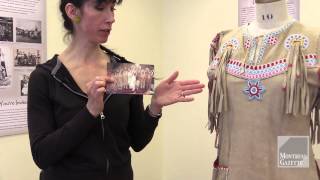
95 91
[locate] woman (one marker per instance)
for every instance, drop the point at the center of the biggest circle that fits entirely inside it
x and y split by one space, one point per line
76 130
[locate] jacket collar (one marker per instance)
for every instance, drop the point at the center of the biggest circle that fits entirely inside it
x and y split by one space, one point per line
60 73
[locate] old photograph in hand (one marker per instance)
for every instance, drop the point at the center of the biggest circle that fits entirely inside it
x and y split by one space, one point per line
131 78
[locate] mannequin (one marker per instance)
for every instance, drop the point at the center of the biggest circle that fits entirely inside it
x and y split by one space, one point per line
271 14
263 83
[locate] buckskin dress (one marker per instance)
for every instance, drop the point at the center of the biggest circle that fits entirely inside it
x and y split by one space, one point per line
261 88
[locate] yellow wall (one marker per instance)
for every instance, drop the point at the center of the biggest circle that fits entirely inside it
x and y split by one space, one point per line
189 28
173 35
136 35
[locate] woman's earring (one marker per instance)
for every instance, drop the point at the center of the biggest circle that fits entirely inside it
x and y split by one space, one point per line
77 19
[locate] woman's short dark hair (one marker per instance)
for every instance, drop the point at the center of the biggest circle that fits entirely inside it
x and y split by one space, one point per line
67 23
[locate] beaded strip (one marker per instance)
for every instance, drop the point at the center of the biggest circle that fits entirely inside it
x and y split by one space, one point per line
268 39
263 71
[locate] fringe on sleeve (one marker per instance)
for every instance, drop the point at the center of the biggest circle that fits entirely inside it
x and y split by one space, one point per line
217 102
297 100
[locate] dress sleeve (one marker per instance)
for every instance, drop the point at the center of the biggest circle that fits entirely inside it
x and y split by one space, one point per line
313 66
313 70
213 61
50 144
214 47
141 125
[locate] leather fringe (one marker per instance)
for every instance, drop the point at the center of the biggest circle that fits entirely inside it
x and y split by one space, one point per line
315 122
218 97
297 90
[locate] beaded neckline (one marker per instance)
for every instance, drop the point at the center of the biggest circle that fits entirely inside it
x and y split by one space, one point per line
251 42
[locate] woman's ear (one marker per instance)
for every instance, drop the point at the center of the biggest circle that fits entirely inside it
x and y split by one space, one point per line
72 12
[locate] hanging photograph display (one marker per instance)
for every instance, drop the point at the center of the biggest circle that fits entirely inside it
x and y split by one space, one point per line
22 47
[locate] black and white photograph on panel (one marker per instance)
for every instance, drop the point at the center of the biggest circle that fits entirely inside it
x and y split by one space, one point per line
6 29
28 31
5 67
26 57
131 78
24 81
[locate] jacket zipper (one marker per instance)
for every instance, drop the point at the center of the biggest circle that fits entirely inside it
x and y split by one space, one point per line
102 116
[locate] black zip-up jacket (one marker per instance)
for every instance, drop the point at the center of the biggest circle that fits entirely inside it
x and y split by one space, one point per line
68 143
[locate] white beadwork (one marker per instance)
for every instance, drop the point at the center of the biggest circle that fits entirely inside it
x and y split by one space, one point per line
262 71
234 43
302 39
268 39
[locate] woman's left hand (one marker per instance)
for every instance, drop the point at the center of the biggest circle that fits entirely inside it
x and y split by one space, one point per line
170 91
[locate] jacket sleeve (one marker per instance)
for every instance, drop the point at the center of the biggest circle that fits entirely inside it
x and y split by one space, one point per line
141 125
50 144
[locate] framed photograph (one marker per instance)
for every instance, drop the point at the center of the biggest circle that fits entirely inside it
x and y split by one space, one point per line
131 78
26 57
24 81
28 31
6 29
5 67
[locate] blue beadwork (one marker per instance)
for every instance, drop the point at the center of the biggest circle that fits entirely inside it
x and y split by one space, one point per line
254 89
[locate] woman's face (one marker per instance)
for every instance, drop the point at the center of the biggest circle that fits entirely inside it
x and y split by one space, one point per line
96 21
266 1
